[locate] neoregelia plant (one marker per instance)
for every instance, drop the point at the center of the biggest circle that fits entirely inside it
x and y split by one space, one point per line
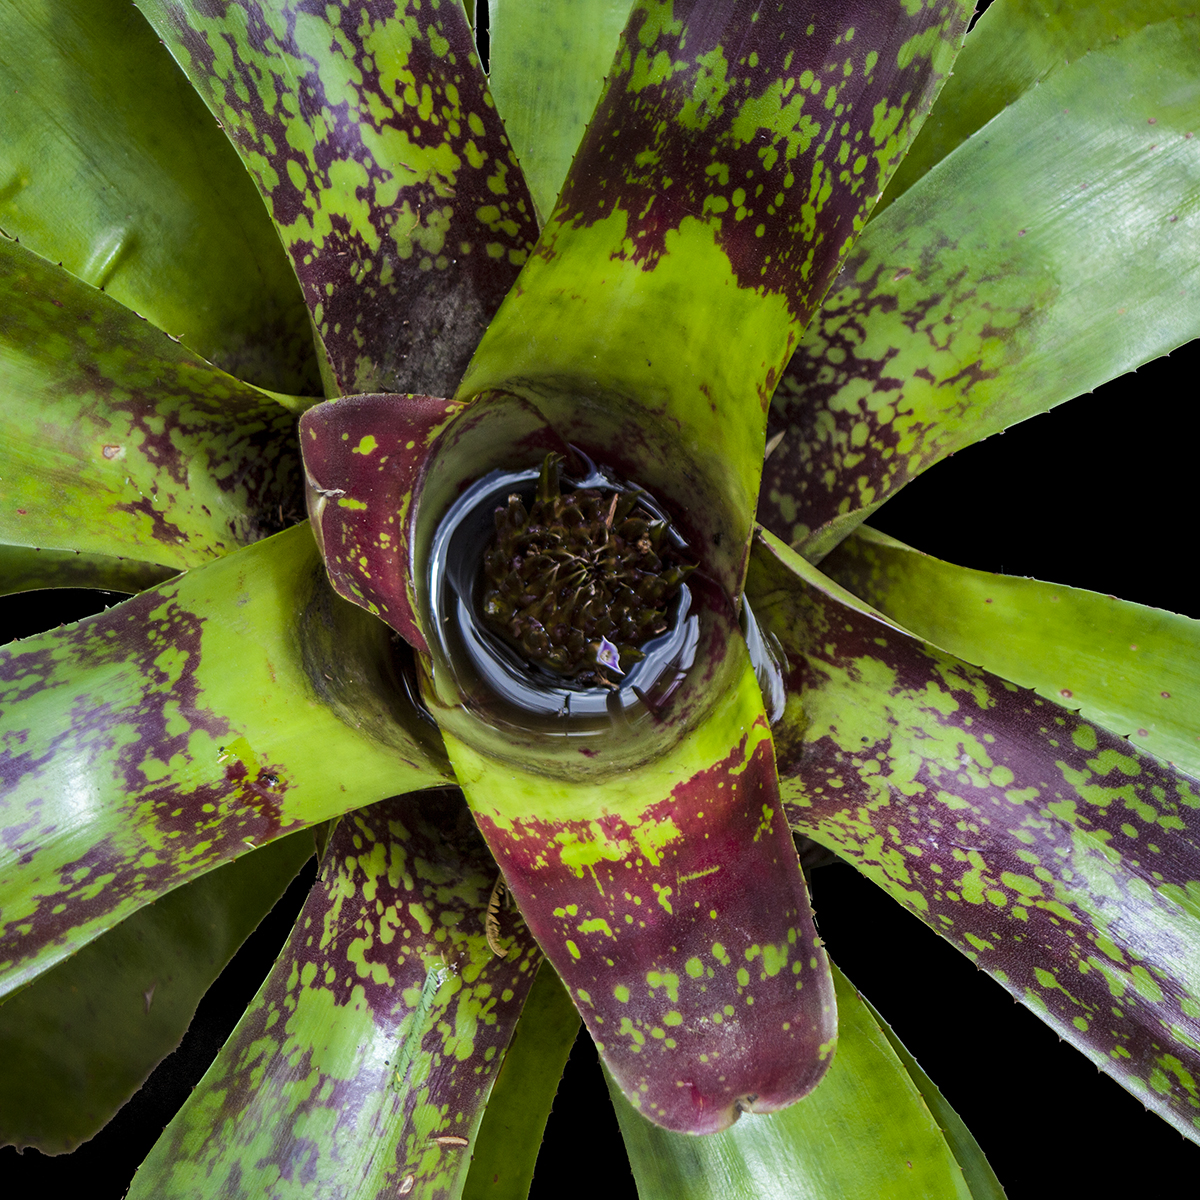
552 629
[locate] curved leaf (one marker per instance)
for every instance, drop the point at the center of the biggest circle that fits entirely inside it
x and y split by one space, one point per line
671 903
1130 668
506 1147
363 1066
116 441
27 568
79 1041
377 148
158 739
1040 259
732 160
1013 46
864 1134
977 1171
1053 853
547 65
111 167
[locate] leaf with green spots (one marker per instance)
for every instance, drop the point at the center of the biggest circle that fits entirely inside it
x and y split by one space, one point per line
376 146
1013 46
548 63
1061 859
980 298
161 738
1130 668
731 162
364 1063
671 903
865 1133
116 441
506 1147
80 1040
111 166
26 569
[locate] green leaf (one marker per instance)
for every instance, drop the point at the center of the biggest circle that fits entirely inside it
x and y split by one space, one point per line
1047 849
377 148
116 441
363 1066
548 62
982 296
161 738
110 165
506 1147
79 1041
26 569
977 1171
731 161
1014 45
864 1134
1130 668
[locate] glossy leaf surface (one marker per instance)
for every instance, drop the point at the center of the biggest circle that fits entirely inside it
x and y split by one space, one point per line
26 569
364 1063
1013 46
1053 853
977 1171
115 440
81 1039
865 1133
111 166
985 294
671 903
547 65
378 151
506 1148
134 757
1128 667
732 159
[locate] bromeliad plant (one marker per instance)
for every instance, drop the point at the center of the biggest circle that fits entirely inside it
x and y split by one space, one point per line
575 593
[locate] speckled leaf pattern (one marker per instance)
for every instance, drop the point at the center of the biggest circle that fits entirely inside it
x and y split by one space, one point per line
364 1064
26 569
547 65
506 1147
133 758
1128 667
115 440
111 165
733 157
979 297
1013 46
365 459
1052 852
378 150
864 1134
671 903
81 1039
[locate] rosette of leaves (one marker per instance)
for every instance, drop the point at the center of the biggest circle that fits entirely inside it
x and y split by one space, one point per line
677 260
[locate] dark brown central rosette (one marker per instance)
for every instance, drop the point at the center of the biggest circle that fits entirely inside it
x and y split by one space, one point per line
582 579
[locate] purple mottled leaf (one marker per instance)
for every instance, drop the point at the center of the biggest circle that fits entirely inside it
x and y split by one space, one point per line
367 461
671 903
1052 852
27 569
980 297
115 440
378 150
732 160
364 1064
169 734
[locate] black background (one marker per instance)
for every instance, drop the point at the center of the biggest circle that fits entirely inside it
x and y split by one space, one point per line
1098 494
